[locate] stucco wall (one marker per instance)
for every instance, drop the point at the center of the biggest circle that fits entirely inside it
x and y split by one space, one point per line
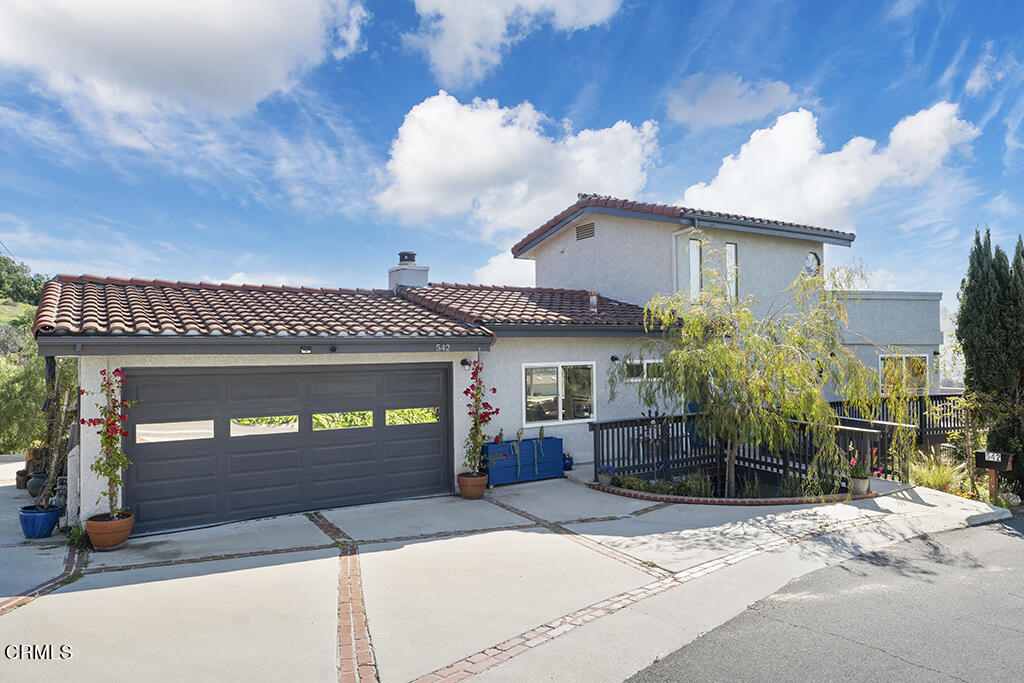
502 368
632 259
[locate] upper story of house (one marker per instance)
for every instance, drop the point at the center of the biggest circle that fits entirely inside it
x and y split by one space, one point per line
632 251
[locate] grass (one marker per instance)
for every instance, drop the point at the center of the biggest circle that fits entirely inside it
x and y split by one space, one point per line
935 471
11 310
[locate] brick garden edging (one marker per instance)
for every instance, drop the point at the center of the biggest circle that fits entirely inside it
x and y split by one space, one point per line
73 563
669 498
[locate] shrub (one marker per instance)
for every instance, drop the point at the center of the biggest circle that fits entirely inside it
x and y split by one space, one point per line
750 487
696 484
632 483
791 487
660 487
934 471
77 537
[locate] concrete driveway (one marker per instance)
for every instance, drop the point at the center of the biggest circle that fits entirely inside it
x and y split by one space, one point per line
540 580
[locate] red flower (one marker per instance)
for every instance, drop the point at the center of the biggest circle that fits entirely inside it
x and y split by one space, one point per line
103 372
494 390
82 421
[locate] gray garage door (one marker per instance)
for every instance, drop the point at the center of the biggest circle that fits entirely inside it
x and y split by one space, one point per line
212 445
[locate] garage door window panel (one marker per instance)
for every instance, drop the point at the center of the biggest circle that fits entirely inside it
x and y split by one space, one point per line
352 419
264 425
395 417
185 430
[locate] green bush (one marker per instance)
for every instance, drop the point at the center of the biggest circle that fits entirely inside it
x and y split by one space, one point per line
750 487
935 471
696 484
791 487
77 537
632 483
660 487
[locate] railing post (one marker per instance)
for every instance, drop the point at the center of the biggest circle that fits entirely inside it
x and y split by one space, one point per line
597 449
922 419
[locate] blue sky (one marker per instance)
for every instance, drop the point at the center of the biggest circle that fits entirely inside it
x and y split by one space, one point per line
307 142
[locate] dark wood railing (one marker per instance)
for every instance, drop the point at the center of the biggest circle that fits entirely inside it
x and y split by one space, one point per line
934 416
673 445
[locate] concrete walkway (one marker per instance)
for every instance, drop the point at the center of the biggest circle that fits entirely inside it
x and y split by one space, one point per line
540 580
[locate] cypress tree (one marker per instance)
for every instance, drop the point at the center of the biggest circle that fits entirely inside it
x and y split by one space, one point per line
979 326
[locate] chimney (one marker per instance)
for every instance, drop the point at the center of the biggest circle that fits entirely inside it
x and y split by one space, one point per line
407 273
593 302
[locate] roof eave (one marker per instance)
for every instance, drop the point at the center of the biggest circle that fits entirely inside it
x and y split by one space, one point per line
109 345
569 330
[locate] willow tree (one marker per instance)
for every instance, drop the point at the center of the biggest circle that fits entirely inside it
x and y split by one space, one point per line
757 379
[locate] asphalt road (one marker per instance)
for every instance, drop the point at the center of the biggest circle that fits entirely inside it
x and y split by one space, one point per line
949 607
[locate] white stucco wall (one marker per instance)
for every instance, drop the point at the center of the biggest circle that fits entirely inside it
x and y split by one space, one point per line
502 369
632 259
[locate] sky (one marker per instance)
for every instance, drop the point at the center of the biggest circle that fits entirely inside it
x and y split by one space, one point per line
308 142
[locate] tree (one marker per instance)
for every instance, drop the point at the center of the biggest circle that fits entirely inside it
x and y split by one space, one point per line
990 330
757 380
18 283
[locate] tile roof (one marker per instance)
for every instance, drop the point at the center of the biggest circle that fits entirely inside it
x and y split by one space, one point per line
497 305
594 200
88 304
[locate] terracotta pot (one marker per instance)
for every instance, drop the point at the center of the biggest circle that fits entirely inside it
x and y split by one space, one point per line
472 485
109 534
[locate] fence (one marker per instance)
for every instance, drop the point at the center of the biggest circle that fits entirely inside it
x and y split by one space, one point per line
934 416
673 445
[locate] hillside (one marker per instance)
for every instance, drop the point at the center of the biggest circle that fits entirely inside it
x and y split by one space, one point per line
11 310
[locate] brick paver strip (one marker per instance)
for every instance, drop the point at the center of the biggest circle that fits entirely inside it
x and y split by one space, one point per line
74 560
326 526
645 567
206 558
539 635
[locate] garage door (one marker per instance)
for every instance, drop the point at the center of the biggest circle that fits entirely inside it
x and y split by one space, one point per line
213 445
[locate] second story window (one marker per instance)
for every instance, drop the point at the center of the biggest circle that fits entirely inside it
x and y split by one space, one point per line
695 274
813 263
730 270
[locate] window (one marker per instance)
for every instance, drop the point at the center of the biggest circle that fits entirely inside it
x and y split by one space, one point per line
812 264
394 417
730 270
639 370
257 426
558 392
158 432
355 419
695 265
584 232
911 371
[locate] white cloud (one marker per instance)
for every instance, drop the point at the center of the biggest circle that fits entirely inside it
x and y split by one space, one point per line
901 9
1001 205
465 40
981 75
131 57
701 101
503 269
783 171
498 165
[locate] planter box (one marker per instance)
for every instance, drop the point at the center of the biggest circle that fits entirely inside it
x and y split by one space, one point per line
532 464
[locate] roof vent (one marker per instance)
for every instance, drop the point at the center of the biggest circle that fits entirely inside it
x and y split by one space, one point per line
407 273
584 232
593 302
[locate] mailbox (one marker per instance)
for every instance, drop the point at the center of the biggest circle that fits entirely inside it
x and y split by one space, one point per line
993 460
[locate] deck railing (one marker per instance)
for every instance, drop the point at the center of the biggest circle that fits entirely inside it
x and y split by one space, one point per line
673 445
934 416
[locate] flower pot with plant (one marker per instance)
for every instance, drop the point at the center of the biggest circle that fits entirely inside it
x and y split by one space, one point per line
859 473
605 474
39 519
473 481
108 530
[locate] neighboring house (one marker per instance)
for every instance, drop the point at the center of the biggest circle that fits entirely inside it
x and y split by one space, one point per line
339 370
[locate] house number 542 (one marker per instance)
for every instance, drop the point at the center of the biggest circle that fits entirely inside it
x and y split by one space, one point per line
442 347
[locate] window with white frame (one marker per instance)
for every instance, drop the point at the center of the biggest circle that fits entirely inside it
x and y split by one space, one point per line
695 269
556 393
910 370
639 370
730 270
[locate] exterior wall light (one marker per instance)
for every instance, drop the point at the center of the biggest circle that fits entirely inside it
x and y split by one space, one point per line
465 363
615 359
305 349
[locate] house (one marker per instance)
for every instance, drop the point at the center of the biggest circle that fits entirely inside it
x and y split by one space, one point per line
259 400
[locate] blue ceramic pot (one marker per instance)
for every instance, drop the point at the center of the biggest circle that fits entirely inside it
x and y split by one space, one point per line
36 523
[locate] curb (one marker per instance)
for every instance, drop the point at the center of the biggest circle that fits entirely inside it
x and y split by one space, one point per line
993 515
669 498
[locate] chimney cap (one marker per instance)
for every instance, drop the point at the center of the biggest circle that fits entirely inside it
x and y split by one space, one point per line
407 258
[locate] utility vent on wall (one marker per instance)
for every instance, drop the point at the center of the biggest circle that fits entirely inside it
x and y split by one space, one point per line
584 232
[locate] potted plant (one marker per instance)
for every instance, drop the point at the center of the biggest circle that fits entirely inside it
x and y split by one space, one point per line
859 473
605 473
567 462
108 530
39 519
473 481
